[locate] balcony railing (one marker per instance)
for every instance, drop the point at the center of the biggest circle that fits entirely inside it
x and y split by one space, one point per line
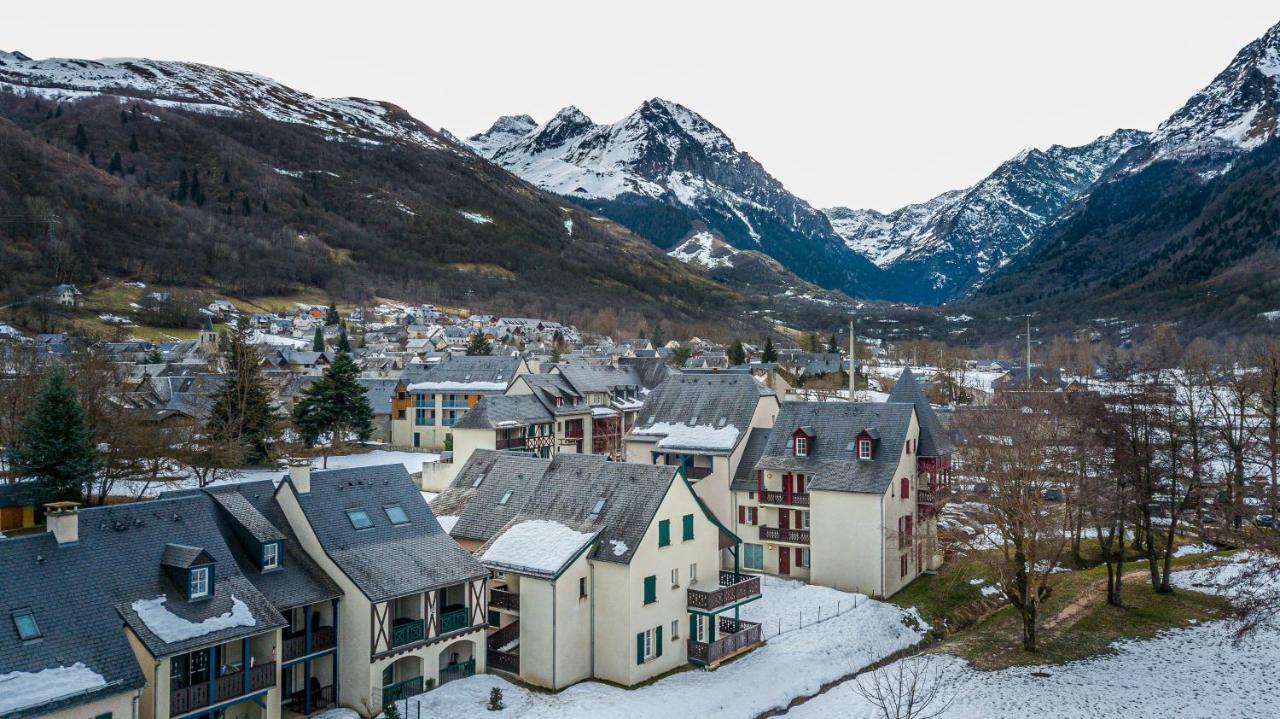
505 661
697 472
227 686
733 588
510 443
795 499
461 670
453 620
776 534
322 638
406 632
401 690
454 404
504 599
924 496
735 635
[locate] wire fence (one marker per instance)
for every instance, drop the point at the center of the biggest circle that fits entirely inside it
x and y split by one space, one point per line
783 624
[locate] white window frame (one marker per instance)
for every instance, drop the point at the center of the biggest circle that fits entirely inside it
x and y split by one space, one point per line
802 446
864 449
693 573
804 519
675 578
648 644
700 623
270 555
199 582
675 630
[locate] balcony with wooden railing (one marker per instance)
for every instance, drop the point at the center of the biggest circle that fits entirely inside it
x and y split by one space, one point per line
322 638
503 598
733 589
735 637
696 473
790 536
228 686
503 648
406 631
784 499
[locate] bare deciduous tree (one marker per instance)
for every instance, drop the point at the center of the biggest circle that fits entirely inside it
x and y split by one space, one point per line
912 688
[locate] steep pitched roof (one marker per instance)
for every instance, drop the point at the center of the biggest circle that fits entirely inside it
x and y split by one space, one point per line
699 412
591 378
476 374
384 561
830 464
934 441
495 411
744 480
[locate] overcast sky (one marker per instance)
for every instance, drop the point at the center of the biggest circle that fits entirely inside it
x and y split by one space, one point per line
847 105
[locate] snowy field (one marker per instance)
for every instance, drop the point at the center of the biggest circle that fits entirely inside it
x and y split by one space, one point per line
411 460
795 663
1198 671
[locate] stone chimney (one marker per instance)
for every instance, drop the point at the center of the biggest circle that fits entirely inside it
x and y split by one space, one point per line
300 474
63 519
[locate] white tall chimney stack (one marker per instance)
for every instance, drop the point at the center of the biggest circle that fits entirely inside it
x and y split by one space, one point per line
63 519
300 474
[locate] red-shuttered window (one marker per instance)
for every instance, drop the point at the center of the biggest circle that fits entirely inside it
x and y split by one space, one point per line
800 483
742 514
906 488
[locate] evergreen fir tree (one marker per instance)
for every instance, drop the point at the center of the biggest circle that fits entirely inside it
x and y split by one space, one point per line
244 206
479 346
81 139
658 338
93 158
331 316
154 357
58 111
133 142
53 445
242 418
335 405
344 344
124 118
115 165
769 354
196 193
737 354
226 176
184 186
833 344
317 340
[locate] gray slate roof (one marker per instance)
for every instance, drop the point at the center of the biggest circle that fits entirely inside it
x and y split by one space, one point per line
592 378
380 392
471 369
702 400
934 441
564 489
495 411
744 480
384 561
830 464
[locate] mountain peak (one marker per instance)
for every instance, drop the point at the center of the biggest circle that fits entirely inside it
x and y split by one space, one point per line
570 114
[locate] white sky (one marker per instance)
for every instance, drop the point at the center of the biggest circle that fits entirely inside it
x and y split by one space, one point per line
872 106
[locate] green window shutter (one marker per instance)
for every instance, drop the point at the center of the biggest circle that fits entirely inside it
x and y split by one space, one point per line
693 626
664 532
640 648
650 589
657 643
688 527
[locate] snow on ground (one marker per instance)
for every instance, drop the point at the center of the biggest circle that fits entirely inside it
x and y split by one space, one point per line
411 460
537 545
476 217
336 713
1198 671
793 664
1188 549
22 690
172 628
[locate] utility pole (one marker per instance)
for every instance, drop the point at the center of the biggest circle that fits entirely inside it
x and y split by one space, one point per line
853 360
1028 351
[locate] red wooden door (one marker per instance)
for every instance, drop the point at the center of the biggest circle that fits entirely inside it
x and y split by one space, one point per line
786 487
784 560
784 519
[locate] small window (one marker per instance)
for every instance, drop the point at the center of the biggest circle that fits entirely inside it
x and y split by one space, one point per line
478 480
396 514
675 630
664 532
802 446
270 555
359 518
693 573
675 578
199 582
864 449
582 587
650 589
599 507
25 621
505 498
686 528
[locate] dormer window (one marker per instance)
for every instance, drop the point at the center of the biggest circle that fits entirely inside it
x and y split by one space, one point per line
802 446
270 556
864 449
198 583
24 620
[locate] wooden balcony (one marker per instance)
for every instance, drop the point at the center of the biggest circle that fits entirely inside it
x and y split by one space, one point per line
502 648
733 589
322 638
510 443
401 690
735 637
453 620
504 599
228 686
794 499
790 536
696 473
406 631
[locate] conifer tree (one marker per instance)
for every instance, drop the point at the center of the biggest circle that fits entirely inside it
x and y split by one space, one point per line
331 316
115 165
479 346
317 340
769 354
133 142
737 354
81 139
245 207
833 344
344 344
154 357
336 406
658 338
53 445
241 418
184 186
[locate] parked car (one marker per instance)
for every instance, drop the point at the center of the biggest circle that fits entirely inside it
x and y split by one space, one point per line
1052 495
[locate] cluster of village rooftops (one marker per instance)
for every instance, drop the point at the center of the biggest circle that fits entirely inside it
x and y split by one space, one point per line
582 522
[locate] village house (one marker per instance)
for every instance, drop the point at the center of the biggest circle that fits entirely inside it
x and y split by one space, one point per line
67 296
431 400
843 493
701 423
600 569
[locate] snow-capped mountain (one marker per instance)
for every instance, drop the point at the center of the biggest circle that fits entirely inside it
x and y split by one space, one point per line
203 88
1235 113
947 244
667 173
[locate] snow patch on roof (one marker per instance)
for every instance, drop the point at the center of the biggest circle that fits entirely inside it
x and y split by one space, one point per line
683 436
447 522
22 690
537 545
172 628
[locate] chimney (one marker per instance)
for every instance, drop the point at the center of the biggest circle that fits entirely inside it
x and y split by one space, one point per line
300 474
63 519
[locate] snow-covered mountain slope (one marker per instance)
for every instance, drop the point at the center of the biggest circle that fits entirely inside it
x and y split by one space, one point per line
1235 113
663 171
949 243
706 250
202 88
